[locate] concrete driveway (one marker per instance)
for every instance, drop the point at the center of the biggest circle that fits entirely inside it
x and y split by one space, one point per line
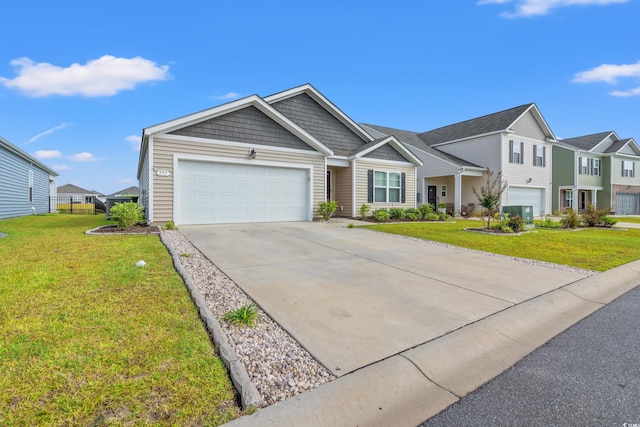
353 297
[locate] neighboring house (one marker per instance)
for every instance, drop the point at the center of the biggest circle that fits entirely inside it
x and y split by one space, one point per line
26 184
269 159
130 191
600 169
76 194
516 142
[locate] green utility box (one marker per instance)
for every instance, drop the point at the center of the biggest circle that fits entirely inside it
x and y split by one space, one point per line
526 212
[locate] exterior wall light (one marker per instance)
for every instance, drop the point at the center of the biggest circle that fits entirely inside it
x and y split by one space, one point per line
252 153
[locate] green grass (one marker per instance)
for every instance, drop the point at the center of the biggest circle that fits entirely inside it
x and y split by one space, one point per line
632 219
88 338
247 315
597 249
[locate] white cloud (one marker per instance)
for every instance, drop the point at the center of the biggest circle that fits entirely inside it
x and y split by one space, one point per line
62 167
229 96
134 140
46 132
626 93
611 73
84 157
105 76
48 154
527 8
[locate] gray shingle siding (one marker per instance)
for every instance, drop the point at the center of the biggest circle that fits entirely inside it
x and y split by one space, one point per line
386 152
322 125
248 125
14 186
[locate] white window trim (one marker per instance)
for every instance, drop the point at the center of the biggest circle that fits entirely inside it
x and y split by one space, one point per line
516 151
628 169
387 187
596 169
443 191
539 155
568 197
584 166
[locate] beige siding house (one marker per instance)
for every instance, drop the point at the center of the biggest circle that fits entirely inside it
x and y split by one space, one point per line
516 142
269 159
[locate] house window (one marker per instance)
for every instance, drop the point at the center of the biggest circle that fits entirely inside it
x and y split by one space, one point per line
539 155
595 168
584 166
628 169
515 152
387 187
568 198
30 194
443 191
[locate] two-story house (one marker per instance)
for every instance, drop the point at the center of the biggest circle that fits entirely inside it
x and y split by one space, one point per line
600 169
516 142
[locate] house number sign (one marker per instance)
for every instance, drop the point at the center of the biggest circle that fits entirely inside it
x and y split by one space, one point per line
163 173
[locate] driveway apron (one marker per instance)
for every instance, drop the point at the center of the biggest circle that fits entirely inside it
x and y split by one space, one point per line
353 297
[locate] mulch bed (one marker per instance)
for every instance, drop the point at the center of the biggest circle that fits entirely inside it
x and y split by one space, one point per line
136 229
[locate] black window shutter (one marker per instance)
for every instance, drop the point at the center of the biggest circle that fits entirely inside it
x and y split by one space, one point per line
633 169
510 151
522 153
403 187
622 167
535 152
544 156
370 186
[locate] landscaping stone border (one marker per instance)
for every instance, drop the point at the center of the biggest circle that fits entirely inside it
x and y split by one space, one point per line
249 395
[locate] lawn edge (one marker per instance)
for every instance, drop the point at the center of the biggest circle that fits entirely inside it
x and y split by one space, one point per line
249 395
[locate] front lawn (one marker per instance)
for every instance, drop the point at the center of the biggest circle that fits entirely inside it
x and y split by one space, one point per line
88 338
595 249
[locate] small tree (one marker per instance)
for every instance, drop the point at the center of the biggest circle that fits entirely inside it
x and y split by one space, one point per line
327 209
489 194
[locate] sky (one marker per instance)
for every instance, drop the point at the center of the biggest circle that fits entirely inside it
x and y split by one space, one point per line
80 80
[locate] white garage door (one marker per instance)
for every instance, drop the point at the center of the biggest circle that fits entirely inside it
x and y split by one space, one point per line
519 196
212 193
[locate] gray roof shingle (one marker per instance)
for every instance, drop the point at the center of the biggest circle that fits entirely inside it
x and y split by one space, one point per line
412 139
495 122
586 142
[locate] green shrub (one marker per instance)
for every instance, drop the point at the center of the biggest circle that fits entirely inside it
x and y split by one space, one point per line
169 225
364 209
412 214
516 223
126 214
608 221
381 215
425 210
396 213
570 219
547 223
246 315
351 225
443 217
592 217
432 216
327 209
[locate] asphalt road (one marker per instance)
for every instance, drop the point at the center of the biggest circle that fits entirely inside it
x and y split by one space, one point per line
587 376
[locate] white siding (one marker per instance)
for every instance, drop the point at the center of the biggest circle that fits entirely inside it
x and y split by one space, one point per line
363 166
528 126
484 151
165 148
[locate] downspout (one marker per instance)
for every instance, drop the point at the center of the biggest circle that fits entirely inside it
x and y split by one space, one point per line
576 175
353 188
457 192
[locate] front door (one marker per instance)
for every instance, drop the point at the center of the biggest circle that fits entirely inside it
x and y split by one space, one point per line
328 186
431 195
583 200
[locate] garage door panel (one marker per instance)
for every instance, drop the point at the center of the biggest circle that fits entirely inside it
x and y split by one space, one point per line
520 196
209 192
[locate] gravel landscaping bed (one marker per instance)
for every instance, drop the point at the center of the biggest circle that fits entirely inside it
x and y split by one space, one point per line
275 361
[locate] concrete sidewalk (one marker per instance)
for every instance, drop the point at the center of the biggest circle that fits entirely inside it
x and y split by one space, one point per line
408 326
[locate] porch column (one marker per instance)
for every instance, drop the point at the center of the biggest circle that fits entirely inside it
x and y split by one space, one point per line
594 197
457 187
